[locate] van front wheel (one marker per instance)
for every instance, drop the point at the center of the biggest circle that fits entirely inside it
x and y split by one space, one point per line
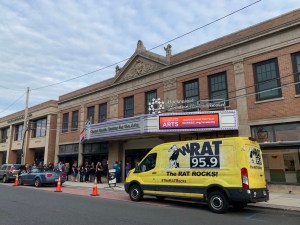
217 202
135 193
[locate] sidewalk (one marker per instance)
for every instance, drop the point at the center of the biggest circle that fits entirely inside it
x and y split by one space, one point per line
281 197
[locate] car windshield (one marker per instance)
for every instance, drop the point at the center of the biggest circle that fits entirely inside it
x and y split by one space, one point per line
17 167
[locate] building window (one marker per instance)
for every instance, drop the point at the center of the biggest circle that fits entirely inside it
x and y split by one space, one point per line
74 124
39 127
4 135
102 112
100 148
217 86
191 95
91 114
68 149
148 99
267 82
276 132
128 106
296 66
65 124
19 132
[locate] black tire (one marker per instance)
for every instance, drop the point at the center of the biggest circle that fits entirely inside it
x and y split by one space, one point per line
160 197
239 205
4 179
217 202
37 182
135 193
20 181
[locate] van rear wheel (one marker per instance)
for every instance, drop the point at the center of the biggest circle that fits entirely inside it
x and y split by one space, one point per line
135 193
217 202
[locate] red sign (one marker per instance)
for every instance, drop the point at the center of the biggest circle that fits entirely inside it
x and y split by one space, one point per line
189 121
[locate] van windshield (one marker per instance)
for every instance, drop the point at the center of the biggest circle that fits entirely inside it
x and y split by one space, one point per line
148 163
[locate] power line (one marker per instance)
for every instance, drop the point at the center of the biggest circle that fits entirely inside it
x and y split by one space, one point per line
176 38
13 103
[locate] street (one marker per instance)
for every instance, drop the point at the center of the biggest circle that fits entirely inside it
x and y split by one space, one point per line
33 206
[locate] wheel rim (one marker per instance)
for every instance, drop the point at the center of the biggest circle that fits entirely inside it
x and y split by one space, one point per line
4 179
37 182
216 202
135 193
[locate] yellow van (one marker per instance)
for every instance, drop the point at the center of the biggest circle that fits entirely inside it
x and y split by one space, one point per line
222 172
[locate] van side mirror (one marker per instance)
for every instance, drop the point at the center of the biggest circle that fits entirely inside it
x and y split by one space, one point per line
137 169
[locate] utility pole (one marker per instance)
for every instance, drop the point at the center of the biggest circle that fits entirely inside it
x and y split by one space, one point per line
25 126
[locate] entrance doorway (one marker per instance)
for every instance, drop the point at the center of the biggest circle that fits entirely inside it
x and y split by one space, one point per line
71 159
95 158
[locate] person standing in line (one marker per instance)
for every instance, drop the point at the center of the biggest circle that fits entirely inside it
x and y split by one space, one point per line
74 173
67 170
92 172
86 172
81 173
127 168
121 170
98 173
116 166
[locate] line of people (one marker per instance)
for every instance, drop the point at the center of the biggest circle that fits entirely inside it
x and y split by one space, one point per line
83 173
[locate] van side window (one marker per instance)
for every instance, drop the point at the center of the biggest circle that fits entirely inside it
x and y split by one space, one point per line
148 163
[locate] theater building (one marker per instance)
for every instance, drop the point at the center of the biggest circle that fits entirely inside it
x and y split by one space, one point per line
242 84
38 144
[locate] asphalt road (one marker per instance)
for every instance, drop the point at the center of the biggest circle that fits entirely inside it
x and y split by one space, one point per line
32 206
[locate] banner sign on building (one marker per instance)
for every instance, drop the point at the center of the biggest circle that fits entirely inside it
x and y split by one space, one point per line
125 126
198 121
189 121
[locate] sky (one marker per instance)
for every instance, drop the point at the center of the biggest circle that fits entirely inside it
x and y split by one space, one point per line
58 46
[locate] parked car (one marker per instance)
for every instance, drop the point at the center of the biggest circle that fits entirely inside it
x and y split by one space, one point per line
8 172
39 177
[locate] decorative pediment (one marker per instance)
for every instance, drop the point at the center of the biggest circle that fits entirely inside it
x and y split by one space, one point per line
141 63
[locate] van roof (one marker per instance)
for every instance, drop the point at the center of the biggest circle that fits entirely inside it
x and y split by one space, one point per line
211 139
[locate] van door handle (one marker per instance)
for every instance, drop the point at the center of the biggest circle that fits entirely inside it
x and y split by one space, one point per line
153 172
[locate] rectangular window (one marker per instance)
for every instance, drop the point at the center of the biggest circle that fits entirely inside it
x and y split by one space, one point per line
91 114
65 124
74 125
39 127
4 135
128 106
191 95
102 112
148 99
276 132
217 86
68 149
267 81
296 67
19 132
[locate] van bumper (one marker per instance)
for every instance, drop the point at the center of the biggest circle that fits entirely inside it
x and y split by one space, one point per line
249 195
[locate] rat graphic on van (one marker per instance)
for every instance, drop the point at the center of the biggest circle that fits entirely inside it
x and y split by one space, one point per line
173 158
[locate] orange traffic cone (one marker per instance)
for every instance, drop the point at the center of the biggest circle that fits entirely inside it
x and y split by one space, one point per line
17 180
95 188
58 187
